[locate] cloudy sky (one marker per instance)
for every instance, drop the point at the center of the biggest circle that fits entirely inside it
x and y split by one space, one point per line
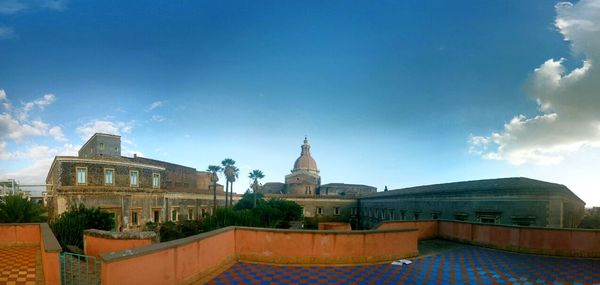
389 93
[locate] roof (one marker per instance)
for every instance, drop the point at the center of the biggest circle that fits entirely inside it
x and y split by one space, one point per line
96 135
480 186
346 185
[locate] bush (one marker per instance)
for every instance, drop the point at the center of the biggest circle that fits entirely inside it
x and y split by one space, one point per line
69 226
18 209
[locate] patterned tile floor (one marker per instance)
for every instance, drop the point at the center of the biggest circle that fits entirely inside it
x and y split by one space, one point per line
460 265
20 265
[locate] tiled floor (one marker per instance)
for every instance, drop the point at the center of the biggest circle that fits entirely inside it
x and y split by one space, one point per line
20 265
460 265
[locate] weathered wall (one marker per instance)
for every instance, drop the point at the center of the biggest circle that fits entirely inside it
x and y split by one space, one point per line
50 250
96 242
176 262
318 247
562 242
324 226
190 259
426 229
13 234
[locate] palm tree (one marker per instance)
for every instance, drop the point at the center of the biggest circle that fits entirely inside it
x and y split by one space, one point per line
236 173
214 177
256 175
228 165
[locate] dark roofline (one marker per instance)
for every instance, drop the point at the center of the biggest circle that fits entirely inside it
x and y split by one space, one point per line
477 185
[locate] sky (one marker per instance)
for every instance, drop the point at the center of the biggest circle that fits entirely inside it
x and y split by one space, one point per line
389 93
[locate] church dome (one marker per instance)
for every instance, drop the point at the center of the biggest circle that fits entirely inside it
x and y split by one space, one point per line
305 161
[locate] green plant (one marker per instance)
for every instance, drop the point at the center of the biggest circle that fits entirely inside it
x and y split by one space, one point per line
18 209
170 231
69 226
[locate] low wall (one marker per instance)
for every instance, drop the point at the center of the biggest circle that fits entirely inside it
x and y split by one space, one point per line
550 241
35 235
427 229
19 234
318 247
334 226
50 249
96 242
179 261
190 259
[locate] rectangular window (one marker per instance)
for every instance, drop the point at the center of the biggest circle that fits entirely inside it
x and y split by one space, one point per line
134 218
155 180
108 176
156 217
336 211
101 146
133 178
319 211
190 214
81 175
174 215
203 211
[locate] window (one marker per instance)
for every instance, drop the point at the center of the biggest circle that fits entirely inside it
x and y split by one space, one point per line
336 211
156 216
460 216
174 215
319 211
435 215
190 214
101 146
133 178
155 180
108 176
416 215
203 211
81 175
134 218
488 220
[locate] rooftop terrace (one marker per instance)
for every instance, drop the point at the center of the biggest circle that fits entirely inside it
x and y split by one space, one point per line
440 262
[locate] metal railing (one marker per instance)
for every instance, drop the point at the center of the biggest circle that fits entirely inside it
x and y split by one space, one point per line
79 269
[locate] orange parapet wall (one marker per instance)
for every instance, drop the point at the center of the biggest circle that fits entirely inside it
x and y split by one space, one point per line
335 226
318 247
38 235
426 229
193 258
96 242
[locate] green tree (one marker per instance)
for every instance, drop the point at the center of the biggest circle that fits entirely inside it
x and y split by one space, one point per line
247 201
256 175
234 177
214 177
18 209
228 169
69 226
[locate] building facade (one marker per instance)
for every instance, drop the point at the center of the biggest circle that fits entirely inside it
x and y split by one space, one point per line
509 201
136 190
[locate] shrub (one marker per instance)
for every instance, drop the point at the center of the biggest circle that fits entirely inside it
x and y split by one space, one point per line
18 209
69 226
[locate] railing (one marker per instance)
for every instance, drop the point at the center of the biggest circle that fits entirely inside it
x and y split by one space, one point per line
79 269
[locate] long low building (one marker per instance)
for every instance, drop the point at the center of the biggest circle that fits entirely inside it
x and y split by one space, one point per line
509 201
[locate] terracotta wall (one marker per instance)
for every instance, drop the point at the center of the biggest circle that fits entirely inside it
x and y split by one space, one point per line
310 247
191 259
95 246
334 226
562 242
50 249
426 229
175 262
35 235
19 234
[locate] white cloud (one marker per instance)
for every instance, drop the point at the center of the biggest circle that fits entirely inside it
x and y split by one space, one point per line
154 105
568 101
12 6
35 152
17 6
104 126
15 123
6 32
158 118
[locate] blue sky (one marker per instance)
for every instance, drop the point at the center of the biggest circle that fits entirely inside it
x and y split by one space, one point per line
396 93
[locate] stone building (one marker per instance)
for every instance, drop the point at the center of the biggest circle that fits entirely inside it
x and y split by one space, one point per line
136 190
509 201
